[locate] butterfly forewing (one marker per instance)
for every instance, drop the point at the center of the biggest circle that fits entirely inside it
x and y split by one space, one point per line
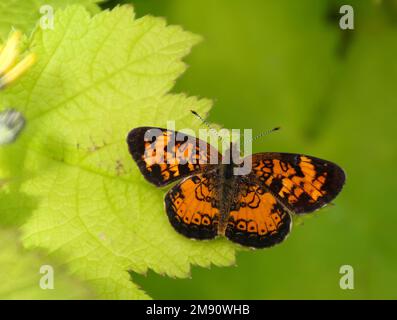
302 183
164 156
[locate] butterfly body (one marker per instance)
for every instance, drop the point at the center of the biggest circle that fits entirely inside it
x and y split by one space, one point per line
211 199
226 187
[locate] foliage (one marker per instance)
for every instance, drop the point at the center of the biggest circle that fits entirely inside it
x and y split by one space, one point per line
86 202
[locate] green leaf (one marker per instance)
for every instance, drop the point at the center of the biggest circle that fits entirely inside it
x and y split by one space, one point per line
23 15
20 274
88 205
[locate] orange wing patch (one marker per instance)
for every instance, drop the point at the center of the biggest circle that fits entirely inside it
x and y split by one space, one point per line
257 219
192 207
302 183
164 156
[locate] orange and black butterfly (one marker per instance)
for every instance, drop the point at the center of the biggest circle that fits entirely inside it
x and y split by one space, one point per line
253 210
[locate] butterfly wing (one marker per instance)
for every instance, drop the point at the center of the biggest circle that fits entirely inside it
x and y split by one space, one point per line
279 184
301 183
257 219
164 156
192 207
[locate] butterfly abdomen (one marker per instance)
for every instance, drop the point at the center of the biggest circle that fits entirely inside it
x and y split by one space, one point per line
226 194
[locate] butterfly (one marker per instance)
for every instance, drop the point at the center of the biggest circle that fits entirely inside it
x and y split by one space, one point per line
254 209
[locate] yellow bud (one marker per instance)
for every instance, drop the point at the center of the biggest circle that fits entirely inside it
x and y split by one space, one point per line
10 52
9 70
18 70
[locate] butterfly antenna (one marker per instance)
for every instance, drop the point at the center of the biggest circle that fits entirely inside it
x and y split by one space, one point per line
262 134
213 130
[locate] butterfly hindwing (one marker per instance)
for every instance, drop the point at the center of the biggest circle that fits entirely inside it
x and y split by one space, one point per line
257 219
164 156
302 183
192 207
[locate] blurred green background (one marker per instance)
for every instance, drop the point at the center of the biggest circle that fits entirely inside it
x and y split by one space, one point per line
333 91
